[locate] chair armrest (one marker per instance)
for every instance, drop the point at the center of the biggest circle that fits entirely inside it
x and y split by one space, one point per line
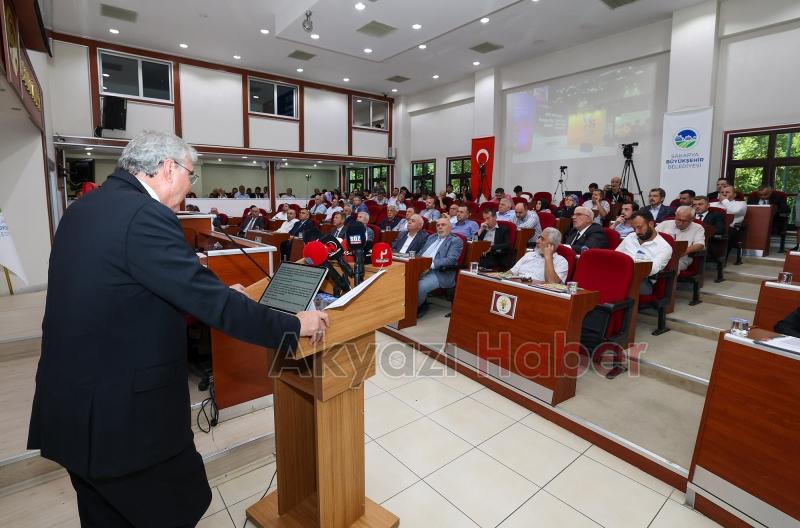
611 307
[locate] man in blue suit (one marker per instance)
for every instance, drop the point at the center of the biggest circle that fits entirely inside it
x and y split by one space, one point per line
444 249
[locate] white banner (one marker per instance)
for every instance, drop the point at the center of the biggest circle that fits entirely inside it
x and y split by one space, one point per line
685 151
8 252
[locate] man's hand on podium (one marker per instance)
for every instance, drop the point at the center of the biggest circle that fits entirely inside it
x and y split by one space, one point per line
313 325
239 288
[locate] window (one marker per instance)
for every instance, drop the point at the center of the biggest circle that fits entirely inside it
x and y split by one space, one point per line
766 157
356 179
459 173
380 177
273 98
129 76
369 114
422 175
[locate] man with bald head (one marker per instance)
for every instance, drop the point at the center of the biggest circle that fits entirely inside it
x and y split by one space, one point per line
443 248
364 219
614 191
411 239
462 224
525 219
683 228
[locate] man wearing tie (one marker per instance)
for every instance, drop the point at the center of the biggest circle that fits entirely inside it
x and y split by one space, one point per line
339 229
585 233
712 218
296 232
444 248
253 221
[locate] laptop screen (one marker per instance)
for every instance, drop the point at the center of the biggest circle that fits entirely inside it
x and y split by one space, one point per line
293 287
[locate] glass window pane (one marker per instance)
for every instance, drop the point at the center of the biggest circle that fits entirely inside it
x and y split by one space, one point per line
787 179
787 145
416 169
456 166
750 147
155 80
360 112
120 75
286 100
430 168
468 166
379 114
262 97
747 179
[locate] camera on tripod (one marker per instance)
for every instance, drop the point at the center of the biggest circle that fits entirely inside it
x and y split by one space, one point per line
627 149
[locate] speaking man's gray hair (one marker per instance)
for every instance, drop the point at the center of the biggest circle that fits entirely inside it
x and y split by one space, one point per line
148 150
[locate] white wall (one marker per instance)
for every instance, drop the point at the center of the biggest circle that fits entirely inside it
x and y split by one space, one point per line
371 144
325 125
274 134
70 98
442 133
144 116
296 179
211 107
738 16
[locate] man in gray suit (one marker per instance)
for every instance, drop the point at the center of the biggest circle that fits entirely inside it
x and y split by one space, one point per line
444 249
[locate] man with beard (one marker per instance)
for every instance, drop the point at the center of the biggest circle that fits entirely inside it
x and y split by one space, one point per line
645 244
544 263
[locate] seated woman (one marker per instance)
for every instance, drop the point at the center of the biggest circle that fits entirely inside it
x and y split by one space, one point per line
541 205
566 210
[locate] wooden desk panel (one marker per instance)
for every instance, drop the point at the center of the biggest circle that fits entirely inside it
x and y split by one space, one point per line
640 271
521 243
792 263
537 348
389 236
475 249
750 431
414 269
775 302
563 225
758 222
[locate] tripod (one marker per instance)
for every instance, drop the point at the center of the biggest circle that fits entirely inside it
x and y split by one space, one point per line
627 169
562 176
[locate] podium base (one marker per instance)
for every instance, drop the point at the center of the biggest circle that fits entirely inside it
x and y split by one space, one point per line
264 514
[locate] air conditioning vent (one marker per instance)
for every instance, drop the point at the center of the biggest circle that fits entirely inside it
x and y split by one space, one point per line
117 12
486 47
398 79
613 4
376 29
301 55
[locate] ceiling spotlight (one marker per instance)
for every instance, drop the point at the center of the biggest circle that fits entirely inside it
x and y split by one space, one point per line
358 100
299 70
184 46
113 31
535 0
283 159
422 46
237 57
485 20
394 90
416 26
476 63
219 159
265 32
244 157
367 50
89 148
285 164
315 36
254 161
360 6
308 25
346 79
435 76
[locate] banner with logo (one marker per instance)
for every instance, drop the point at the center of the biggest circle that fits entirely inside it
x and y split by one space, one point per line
685 151
8 252
482 163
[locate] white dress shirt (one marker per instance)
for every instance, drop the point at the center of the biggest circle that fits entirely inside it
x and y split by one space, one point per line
694 234
508 216
150 191
280 216
409 240
736 208
287 225
532 265
402 225
658 251
331 211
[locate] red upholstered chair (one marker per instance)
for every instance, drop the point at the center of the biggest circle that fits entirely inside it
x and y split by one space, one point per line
419 205
486 205
409 203
223 218
529 195
462 257
547 220
675 203
375 231
543 195
517 199
567 252
295 207
370 202
613 238
662 291
717 246
311 203
610 273
512 231
473 208
694 273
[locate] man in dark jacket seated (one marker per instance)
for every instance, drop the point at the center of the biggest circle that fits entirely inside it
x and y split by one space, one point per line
497 257
767 196
391 220
413 239
712 218
790 325
253 221
585 234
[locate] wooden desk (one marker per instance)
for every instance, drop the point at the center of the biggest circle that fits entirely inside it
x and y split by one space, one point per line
192 225
746 455
792 263
414 269
758 222
476 248
640 271
532 348
776 300
521 243
389 236
272 225
678 249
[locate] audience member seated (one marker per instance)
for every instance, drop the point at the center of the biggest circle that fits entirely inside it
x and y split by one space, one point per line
789 325
402 225
216 221
430 212
452 213
541 205
463 225
684 228
449 193
282 214
525 219
657 209
288 194
288 224
599 206
301 226
233 192
592 188
444 248
585 234
192 208
337 221
544 263
714 196
253 221
568 209
622 224
518 193
358 205
335 208
249 192
499 194
364 219
766 196
686 197
391 220
241 194
727 201
645 244
413 239
498 255
712 218
349 215
505 210
257 193
380 198
614 192
191 195
319 206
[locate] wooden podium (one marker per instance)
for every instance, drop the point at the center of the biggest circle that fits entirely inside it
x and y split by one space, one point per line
319 416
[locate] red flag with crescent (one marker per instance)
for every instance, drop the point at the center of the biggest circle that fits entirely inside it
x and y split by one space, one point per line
482 163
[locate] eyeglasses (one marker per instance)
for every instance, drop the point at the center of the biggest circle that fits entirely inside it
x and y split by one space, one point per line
192 176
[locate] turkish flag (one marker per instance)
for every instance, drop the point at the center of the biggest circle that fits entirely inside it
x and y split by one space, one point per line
482 158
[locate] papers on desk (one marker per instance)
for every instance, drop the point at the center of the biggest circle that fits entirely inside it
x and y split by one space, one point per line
786 343
352 294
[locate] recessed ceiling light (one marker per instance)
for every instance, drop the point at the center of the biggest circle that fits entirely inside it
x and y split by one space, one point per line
422 46
315 36
237 57
199 153
435 76
88 153
255 97
113 31
315 164
285 164
283 159
346 79
351 164
416 26
367 50
106 75
265 32
299 70
88 148
254 161
485 20
244 157
219 159
319 162
360 6
358 100
535 0
184 46
394 90
476 63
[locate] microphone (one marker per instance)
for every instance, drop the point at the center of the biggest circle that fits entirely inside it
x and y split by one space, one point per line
381 255
336 253
316 254
357 238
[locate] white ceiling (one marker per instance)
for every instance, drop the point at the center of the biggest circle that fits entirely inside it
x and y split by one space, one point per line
216 31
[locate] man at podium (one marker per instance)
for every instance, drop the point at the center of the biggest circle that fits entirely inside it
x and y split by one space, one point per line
112 399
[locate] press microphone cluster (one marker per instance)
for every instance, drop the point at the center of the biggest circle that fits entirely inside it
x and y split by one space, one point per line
357 240
315 253
336 253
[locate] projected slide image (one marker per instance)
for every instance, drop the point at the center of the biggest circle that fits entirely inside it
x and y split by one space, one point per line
585 131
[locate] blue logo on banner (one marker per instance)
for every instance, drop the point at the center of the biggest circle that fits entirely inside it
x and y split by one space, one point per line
686 138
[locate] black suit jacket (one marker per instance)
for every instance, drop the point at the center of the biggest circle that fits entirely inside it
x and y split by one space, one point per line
301 226
500 252
716 220
111 387
258 224
391 224
782 208
593 237
663 212
416 244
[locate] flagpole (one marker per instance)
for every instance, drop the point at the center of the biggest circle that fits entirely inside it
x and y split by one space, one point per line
8 281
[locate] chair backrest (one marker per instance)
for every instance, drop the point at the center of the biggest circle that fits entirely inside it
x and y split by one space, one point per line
567 252
368 203
375 231
223 218
517 199
606 271
613 238
295 207
311 203
675 203
512 231
547 219
419 206
486 205
543 194
472 206
462 257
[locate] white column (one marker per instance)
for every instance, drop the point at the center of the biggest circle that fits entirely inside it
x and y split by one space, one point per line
487 118
401 137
